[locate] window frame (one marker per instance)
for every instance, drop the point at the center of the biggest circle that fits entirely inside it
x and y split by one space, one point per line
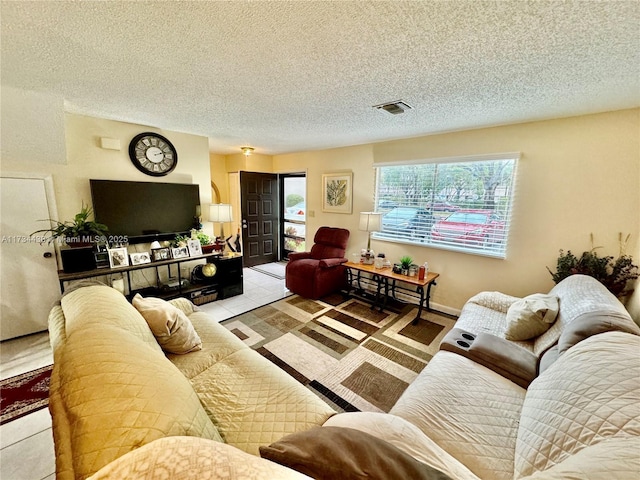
490 241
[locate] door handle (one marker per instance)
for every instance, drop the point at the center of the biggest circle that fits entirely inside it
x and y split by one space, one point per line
244 223
47 255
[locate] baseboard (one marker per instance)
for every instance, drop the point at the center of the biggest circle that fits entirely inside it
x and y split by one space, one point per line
445 309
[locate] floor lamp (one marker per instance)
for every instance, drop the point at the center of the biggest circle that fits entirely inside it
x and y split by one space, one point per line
220 213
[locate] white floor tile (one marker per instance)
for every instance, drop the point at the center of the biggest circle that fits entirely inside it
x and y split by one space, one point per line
24 354
30 459
24 427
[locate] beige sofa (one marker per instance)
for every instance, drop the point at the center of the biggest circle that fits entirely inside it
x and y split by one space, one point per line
114 390
579 418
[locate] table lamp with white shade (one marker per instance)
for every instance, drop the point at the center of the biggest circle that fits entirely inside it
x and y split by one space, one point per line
369 222
220 213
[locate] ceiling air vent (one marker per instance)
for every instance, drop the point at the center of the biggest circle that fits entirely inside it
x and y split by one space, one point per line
393 107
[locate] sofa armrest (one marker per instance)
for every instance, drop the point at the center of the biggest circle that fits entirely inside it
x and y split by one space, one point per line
299 256
497 354
332 262
497 301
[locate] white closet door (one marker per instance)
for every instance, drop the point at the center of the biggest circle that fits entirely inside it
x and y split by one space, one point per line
28 271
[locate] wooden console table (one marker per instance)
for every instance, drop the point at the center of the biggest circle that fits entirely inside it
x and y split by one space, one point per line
384 277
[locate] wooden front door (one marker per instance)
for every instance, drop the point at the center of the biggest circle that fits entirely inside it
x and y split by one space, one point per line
260 217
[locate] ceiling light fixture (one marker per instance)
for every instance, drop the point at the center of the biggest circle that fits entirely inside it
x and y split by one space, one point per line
247 151
395 108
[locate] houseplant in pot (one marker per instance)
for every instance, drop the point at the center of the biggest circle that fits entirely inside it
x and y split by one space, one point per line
79 232
405 263
207 244
613 273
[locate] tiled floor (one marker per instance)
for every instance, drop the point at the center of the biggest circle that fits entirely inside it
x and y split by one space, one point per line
27 443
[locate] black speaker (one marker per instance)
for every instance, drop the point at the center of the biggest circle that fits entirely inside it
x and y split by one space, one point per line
79 259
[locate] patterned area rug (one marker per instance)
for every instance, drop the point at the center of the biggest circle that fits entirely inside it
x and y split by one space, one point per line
354 357
24 394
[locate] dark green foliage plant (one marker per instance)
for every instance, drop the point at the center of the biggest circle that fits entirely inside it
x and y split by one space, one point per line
613 273
406 261
79 230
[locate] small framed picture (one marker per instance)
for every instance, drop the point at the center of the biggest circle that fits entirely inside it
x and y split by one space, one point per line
180 252
163 253
195 249
118 257
140 257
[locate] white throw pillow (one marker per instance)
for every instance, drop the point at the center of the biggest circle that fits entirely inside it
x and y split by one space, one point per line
531 316
171 327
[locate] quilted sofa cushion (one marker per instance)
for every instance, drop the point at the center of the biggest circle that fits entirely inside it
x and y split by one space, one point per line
613 458
112 393
487 312
198 458
102 305
253 403
579 295
589 395
217 343
468 410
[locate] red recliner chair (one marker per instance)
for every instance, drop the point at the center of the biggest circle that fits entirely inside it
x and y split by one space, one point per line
319 272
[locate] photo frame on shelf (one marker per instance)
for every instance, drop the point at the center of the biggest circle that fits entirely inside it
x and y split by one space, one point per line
195 248
118 257
140 258
180 252
158 254
337 192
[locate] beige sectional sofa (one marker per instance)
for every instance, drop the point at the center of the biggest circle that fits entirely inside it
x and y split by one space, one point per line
114 395
114 390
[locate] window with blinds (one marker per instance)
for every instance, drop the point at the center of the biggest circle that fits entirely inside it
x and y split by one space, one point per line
461 204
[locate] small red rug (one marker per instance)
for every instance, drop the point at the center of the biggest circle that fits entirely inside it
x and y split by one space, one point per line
24 394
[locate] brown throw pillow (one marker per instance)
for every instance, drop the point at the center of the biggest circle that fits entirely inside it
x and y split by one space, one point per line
171 327
327 453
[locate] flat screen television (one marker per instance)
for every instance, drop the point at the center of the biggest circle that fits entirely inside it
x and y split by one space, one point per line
145 211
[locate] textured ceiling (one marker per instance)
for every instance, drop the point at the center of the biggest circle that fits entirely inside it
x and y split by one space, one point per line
292 76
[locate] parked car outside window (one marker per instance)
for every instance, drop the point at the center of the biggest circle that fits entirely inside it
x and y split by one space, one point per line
412 221
295 212
470 227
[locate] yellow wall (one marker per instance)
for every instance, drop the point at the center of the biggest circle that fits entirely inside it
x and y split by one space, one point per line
85 159
576 176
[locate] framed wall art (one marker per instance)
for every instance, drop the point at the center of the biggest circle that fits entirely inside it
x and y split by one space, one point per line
337 192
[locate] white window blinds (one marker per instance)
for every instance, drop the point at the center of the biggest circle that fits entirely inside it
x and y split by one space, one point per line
461 203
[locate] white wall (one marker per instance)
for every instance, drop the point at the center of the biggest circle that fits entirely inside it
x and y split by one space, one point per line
576 176
32 126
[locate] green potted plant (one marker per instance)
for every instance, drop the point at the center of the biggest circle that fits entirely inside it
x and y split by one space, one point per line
205 240
80 232
405 263
613 273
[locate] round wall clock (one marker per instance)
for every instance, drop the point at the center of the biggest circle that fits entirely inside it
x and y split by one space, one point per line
153 154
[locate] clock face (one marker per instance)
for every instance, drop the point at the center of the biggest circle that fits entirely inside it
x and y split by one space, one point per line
153 154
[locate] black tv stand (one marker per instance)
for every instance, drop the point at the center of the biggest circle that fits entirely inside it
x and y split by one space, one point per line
227 282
